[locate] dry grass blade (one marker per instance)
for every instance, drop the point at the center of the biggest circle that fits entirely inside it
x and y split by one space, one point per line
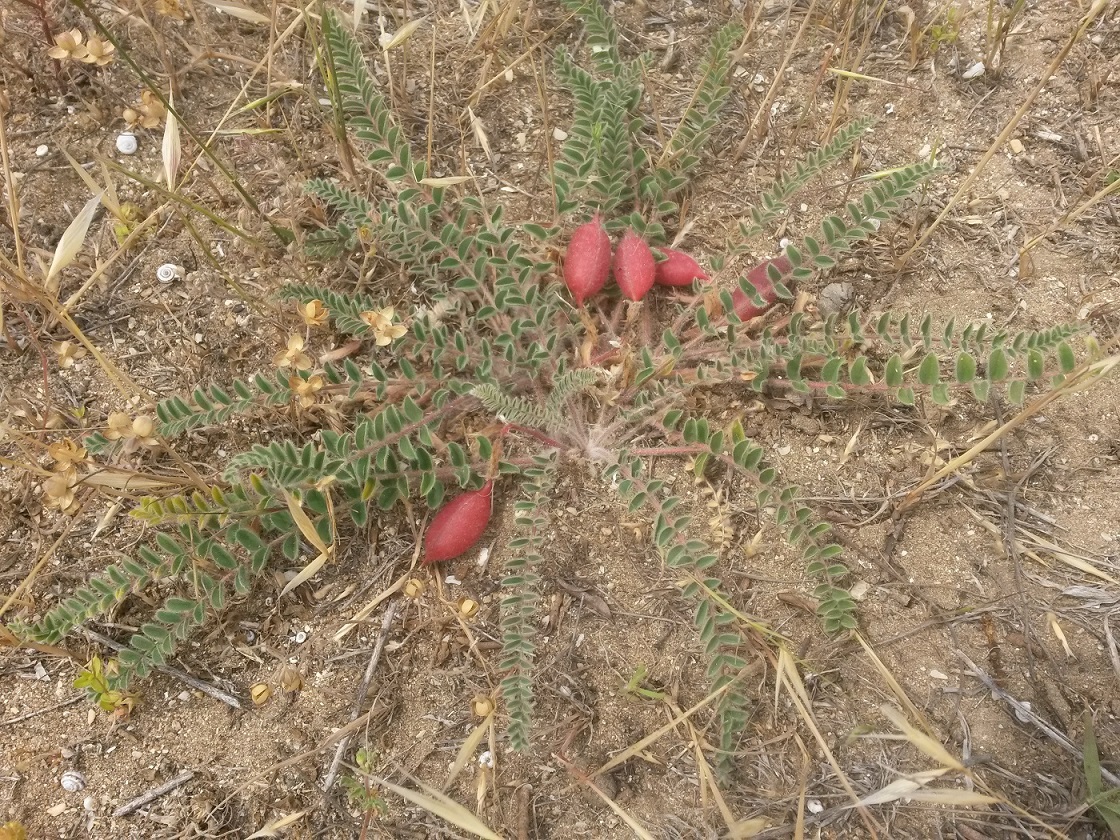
273 828
238 11
108 195
966 185
441 806
172 150
920 739
736 829
1113 649
633 824
1072 215
788 676
360 7
467 750
957 798
401 35
754 132
138 232
902 788
637 747
312 536
1083 375
303 522
127 480
892 683
480 134
367 610
449 181
70 244
12 193
1031 544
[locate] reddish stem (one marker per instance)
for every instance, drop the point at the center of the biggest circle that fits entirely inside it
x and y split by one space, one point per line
529 430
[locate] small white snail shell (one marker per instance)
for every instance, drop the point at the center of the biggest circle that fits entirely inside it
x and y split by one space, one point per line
169 272
126 143
72 781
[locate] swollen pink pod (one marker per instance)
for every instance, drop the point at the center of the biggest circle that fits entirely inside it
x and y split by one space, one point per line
634 266
677 269
459 524
587 264
758 277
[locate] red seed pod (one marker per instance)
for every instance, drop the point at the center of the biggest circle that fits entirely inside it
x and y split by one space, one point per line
587 264
458 525
634 266
758 277
677 269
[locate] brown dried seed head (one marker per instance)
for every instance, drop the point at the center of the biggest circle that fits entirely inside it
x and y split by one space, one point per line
290 679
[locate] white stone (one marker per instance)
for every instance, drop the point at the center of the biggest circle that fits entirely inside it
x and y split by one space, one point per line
974 71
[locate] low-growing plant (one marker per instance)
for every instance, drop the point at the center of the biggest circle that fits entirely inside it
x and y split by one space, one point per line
498 375
360 793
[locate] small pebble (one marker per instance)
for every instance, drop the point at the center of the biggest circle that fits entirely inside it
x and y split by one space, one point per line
559 134
42 151
835 298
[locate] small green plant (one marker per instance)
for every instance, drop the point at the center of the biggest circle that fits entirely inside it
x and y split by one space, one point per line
94 678
636 686
359 793
1106 802
946 31
495 376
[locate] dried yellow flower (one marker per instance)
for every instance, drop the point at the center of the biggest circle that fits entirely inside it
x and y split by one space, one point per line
59 489
293 356
384 330
98 52
68 353
134 433
149 113
413 588
68 45
143 426
468 608
313 312
482 705
120 426
305 389
171 9
67 453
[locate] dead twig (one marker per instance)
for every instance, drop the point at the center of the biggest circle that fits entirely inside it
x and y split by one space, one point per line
153 794
1010 544
359 699
38 712
1024 713
181 676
